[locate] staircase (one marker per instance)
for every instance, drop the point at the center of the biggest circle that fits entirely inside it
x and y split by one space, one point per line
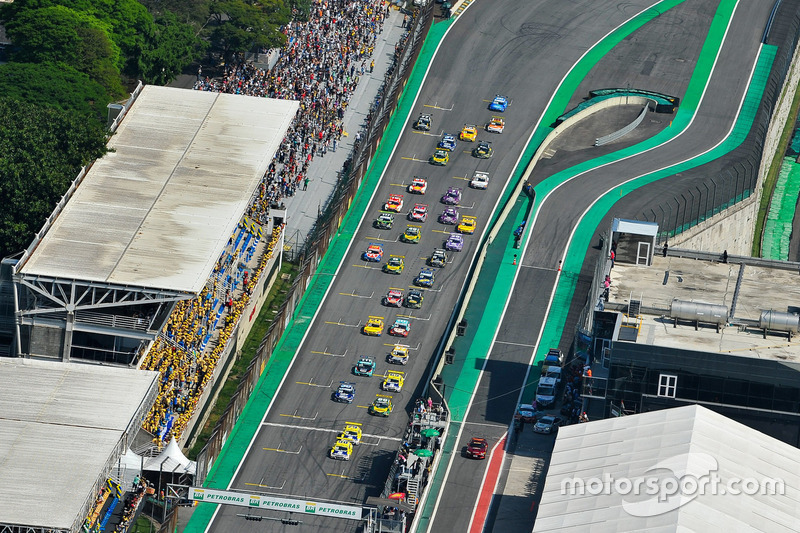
412 488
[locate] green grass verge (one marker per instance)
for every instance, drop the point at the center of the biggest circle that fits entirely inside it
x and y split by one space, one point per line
277 295
772 175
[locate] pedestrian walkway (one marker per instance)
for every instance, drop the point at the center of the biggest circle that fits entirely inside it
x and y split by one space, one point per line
304 207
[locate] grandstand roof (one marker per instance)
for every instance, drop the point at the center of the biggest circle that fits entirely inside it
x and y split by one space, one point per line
158 210
60 425
690 444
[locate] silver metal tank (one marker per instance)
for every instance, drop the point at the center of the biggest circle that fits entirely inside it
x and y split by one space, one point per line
778 321
698 312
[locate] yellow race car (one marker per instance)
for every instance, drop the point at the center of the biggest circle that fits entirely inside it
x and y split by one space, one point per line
469 133
399 355
374 326
394 381
467 225
342 450
411 235
394 265
352 433
382 406
440 157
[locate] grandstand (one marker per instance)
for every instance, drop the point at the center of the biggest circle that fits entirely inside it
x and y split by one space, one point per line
159 220
63 428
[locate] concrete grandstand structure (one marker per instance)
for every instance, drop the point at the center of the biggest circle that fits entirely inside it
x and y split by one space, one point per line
144 226
63 428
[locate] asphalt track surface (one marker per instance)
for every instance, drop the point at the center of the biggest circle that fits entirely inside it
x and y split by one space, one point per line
683 31
288 456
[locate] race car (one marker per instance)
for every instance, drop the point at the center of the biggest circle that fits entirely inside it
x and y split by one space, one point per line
418 185
438 258
469 133
384 221
394 265
374 326
467 225
374 253
414 299
477 448
382 406
394 203
480 180
440 157
351 433
419 213
393 298
365 366
346 392
342 450
400 328
425 278
394 381
499 103
449 216
452 196
412 235
496 125
398 355
483 150
448 142
455 242
423 122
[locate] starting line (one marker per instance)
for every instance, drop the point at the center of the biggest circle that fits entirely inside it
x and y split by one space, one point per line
326 430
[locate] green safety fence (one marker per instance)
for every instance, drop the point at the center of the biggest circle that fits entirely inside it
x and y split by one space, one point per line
782 208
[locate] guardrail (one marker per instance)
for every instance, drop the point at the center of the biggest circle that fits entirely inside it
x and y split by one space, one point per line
734 259
611 137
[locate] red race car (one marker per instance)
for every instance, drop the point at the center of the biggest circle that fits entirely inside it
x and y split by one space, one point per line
477 448
393 298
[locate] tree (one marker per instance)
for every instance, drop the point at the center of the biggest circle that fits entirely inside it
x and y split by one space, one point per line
54 85
241 25
173 47
41 152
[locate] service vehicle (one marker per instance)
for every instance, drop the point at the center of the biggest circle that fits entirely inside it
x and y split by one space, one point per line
554 357
477 448
342 450
398 355
546 392
438 258
469 133
552 371
425 278
412 235
345 393
393 298
365 366
418 185
419 213
374 326
374 253
448 142
423 122
394 203
394 381
414 299
394 265
440 157
384 221
499 103
480 180
496 125
452 196
455 242
449 216
547 424
483 150
351 433
382 406
400 328
467 225
527 413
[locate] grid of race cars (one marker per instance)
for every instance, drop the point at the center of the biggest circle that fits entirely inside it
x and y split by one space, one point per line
454 225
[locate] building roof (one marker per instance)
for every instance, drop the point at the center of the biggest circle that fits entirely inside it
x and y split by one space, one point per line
635 227
60 425
158 210
688 442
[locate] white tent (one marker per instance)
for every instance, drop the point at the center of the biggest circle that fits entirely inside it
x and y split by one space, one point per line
171 459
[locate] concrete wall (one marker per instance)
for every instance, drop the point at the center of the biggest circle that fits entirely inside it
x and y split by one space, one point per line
733 229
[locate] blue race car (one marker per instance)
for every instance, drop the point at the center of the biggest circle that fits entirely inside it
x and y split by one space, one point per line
425 278
448 142
499 103
346 392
